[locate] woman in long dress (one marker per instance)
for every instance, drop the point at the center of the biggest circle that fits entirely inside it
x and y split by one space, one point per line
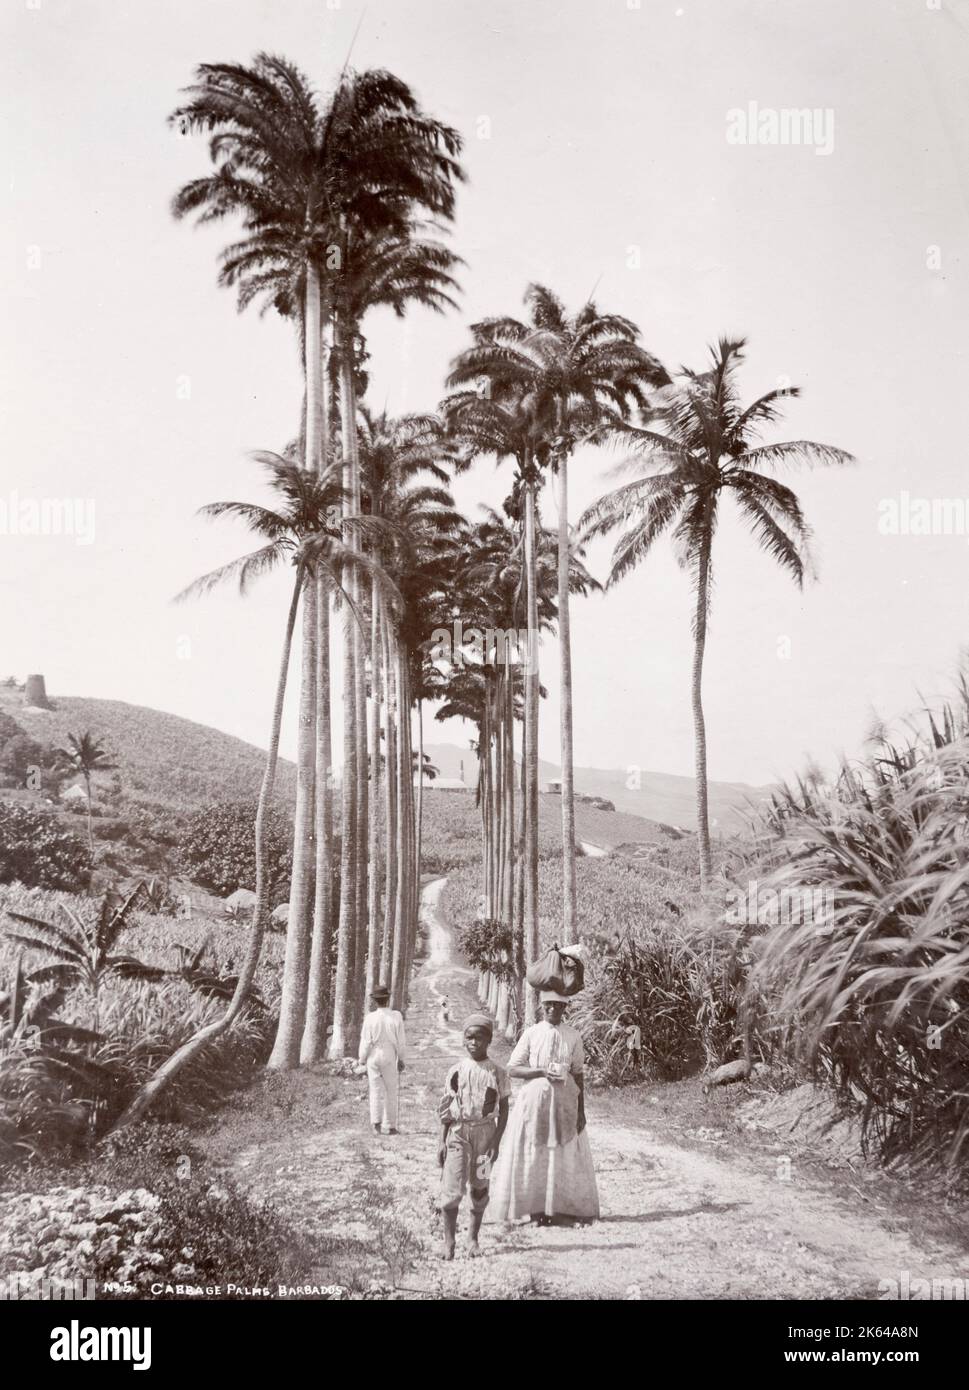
544 1168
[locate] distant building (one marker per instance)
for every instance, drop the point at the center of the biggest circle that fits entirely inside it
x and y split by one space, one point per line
35 693
555 786
74 794
443 784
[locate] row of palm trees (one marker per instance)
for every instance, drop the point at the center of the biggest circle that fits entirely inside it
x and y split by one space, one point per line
343 205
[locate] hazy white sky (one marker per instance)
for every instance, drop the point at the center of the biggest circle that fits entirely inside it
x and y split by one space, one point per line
596 143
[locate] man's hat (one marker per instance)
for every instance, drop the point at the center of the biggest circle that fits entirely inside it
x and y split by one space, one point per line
380 992
548 996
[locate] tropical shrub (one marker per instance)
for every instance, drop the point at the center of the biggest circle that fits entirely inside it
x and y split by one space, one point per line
486 944
60 1089
217 848
656 961
36 850
872 993
19 755
681 985
152 1214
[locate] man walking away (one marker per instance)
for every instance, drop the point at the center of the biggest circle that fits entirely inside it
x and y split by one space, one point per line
381 1044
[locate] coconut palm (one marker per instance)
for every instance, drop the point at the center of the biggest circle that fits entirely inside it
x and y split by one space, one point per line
580 373
86 755
702 443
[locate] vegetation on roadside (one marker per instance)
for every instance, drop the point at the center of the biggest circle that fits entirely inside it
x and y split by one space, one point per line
92 1005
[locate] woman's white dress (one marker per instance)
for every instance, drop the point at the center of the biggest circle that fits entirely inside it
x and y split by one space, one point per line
544 1165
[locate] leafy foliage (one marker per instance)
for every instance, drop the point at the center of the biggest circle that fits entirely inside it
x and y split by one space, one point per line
83 949
874 997
36 850
217 848
487 945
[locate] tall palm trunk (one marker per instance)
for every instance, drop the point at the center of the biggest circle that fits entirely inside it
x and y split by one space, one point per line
699 728
317 1007
569 895
374 934
189 1050
313 1045
405 776
362 758
508 898
530 866
499 851
484 806
341 1038
391 807
90 810
296 967
420 791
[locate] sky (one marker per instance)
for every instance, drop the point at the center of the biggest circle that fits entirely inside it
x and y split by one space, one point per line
603 151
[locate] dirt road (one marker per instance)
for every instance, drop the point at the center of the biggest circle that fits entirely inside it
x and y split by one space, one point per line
695 1219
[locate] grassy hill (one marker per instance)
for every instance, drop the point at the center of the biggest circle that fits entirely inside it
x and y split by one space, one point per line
661 797
162 759
452 829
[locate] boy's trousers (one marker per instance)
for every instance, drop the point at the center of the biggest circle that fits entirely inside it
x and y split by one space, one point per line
382 1076
467 1163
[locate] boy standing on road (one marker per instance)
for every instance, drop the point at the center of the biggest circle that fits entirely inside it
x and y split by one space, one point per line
381 1044
473 1112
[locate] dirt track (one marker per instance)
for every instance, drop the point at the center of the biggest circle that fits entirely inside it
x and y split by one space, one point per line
677 1221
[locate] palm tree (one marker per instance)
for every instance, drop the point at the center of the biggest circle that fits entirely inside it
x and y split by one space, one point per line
580 373
396 270
703 442
299 533
404 465
86 755
510 428
310 179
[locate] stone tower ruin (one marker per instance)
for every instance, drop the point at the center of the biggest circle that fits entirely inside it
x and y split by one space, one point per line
35 692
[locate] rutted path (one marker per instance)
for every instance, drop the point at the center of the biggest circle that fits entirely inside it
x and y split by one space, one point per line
677 1222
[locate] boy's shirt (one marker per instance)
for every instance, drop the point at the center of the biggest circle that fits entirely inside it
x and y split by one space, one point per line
473 1090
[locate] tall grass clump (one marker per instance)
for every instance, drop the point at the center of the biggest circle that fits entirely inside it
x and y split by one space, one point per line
84 1021
872 994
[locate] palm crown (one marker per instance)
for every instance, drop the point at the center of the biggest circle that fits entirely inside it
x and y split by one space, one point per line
702 441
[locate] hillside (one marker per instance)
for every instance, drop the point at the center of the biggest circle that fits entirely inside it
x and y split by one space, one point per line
662 797
452 829
162 758
170 761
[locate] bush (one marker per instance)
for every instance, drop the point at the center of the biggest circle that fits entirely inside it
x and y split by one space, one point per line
156 1216
655 961
35 850
217 849
681 985
871 993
